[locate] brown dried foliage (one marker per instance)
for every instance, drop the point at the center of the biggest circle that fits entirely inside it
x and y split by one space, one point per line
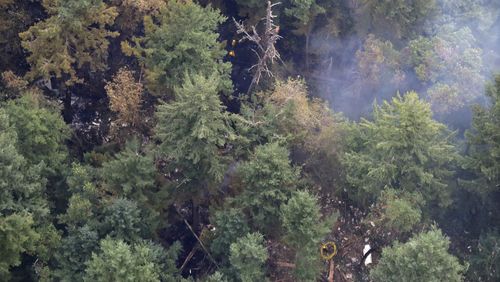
13 81
125 94
307 115
132 12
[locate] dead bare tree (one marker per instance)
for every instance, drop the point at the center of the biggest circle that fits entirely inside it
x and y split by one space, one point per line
266 51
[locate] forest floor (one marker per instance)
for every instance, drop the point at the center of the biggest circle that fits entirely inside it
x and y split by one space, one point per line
349 234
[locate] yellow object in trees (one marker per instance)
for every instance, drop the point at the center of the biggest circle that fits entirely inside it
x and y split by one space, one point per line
328 250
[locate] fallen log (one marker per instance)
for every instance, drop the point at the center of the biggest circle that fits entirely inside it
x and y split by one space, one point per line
285 264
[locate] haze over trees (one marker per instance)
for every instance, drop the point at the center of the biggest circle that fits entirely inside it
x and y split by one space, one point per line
139 141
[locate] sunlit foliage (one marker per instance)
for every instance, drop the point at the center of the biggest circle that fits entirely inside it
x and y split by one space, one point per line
125 94
73 37
424 257
403 148
181 40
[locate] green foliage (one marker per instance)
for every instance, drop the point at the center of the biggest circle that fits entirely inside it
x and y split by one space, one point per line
424 258
484 147
24 214
397 212
485 261
132 12
82 208
230 225
123 221
118 261
216 277
404 149
79 212
452 64
75 249
41 133
301 218
399 18
21 185
16 237
248 256
378 62
304 10
309 127
74 36
194 128
50 239
130 174
181 39
256 158
82 180
268 179
401 215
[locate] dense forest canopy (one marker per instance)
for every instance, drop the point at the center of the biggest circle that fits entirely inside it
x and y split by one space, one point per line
235 140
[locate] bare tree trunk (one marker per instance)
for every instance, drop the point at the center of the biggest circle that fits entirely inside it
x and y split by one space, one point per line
266 51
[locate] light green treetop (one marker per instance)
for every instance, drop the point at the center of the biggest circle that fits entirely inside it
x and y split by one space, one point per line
403 148
424 258
118 261
301 218
269 180
181 39
194 129
248 256
41 133
21 184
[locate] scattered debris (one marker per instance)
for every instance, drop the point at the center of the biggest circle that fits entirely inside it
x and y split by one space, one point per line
368 259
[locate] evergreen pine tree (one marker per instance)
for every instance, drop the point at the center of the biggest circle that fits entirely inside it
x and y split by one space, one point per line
269 180
424 258
181 39
194 129
403 148
248 256
301 219
118 261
